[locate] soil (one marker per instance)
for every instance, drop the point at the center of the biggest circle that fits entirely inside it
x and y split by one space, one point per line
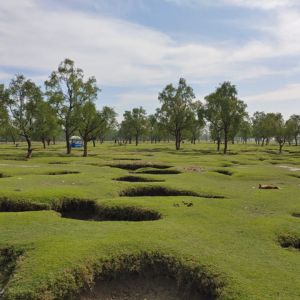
292 169
138 287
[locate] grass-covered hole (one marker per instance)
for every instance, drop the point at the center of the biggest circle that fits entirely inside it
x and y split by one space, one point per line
224 172
153 276
63 172
144 191
136 179
160 172
296 214
58 163
289 241
83 209
18 205
127 158
2 175
8 261
133 167
91 211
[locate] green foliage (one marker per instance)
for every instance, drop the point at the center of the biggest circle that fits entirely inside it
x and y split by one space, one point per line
67 92
176 111
225 112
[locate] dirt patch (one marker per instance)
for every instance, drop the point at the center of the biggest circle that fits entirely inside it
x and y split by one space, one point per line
289 241
292 169
133 167
160 172
224 172
137 179
192 169
89 210
63 172
138 287
161 191
153 276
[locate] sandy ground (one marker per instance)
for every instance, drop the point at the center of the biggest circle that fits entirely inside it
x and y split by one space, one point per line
138 288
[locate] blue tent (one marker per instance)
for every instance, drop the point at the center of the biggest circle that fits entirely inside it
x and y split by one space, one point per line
76 141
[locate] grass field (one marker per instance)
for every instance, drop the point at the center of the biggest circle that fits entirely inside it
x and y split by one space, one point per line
66 219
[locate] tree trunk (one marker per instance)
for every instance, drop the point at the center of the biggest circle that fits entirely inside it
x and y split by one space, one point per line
94 142
68 145
225 141
296 140
85 153
48 142
29 149
177 140
280 148
44 143
218 144
53 140
136 140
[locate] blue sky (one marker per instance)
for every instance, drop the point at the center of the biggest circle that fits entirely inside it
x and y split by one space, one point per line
135 47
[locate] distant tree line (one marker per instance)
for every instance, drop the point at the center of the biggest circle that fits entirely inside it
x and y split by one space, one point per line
67 107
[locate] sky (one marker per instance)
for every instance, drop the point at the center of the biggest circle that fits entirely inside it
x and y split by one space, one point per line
135 48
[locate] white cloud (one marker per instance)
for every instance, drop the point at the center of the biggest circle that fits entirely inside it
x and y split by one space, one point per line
121 53
260 4
287 93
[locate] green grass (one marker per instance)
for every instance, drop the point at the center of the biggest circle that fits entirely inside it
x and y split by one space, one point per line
235 242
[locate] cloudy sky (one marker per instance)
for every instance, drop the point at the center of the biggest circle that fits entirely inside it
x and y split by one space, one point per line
135 47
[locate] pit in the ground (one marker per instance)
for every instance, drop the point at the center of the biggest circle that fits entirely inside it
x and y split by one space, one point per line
133 167
224 172
161 191
139 287
289 241
137 179
160 172
152 276
63 172
89 210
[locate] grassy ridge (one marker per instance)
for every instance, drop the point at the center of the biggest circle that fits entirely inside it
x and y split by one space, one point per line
235 239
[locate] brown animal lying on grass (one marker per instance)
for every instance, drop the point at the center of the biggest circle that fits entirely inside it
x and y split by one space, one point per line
268 187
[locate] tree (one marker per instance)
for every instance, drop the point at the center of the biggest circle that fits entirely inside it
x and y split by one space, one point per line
196 121
245 130
280 130
175 111
108 123
135 122
46 124
4 117
23 98
293 125
228 108
89 123
67 90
